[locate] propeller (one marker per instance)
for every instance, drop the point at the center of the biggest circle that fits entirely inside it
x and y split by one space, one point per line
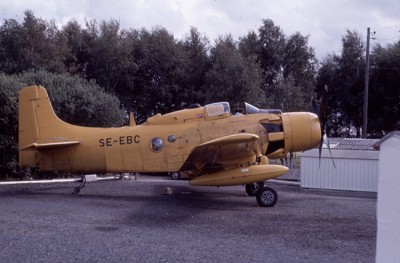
322 113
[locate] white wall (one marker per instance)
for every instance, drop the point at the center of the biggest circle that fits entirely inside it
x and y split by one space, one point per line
355 170
388 211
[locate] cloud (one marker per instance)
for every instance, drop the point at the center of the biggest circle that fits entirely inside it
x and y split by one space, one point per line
324 21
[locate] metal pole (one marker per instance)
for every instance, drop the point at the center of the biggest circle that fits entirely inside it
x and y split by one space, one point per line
366 83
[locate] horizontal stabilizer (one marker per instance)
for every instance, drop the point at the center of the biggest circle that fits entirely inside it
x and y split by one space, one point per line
48 145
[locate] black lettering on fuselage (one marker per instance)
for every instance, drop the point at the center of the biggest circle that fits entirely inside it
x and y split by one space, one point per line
122 140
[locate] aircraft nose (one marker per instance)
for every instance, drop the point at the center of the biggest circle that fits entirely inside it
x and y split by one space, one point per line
302 131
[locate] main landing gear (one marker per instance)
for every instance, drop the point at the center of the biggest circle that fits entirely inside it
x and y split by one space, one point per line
266 196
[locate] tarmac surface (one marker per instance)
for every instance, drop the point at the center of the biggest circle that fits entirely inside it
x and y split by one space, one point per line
134 221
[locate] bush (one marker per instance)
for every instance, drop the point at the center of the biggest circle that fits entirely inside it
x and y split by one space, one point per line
75 100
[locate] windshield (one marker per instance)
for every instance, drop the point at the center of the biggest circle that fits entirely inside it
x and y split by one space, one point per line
250 109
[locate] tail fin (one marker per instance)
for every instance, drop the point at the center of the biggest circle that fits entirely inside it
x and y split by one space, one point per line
39 127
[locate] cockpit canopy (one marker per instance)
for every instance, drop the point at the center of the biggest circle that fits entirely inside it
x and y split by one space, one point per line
217 110
222 109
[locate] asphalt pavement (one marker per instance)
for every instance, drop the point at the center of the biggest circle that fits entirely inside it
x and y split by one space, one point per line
139 221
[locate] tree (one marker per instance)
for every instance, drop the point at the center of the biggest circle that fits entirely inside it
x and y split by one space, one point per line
300 64
249 45
112 68
271 43
32 45
285 63
384 95
337 125
161 68
197 63
8 125
232 77
346 85
344 75
288 96
78 58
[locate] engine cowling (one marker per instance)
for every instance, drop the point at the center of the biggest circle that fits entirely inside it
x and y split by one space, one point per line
302 131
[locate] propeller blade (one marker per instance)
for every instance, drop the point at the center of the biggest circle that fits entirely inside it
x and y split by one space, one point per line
315 106
322 112
326 140
320 151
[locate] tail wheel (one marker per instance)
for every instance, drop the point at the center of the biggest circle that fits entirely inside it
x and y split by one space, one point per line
266 197
175 176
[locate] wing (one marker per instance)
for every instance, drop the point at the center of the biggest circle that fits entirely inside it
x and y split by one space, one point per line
223 153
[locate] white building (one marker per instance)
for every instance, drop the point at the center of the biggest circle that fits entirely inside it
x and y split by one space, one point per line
353 166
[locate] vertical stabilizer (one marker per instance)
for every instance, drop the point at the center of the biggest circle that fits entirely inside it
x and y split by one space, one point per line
37 122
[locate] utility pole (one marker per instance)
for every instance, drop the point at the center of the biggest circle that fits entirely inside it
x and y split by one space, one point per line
366 83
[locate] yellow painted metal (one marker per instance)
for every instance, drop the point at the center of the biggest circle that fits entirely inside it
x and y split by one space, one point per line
49 145
132 121
276 136
242 175
229 151
302 131
278 154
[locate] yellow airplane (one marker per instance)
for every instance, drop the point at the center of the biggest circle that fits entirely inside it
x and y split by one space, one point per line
212 146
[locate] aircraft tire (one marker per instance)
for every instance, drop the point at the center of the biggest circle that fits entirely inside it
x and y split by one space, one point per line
266 197
252 189
175 176
77 190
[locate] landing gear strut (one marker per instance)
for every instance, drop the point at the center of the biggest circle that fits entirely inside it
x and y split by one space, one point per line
78 188
266 196
252 189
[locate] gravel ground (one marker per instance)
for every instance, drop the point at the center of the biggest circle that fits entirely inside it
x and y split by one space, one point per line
133 221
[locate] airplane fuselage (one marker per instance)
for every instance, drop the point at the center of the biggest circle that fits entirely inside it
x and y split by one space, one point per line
130 148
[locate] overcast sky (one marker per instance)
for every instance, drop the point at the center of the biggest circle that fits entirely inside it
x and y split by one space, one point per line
324 21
